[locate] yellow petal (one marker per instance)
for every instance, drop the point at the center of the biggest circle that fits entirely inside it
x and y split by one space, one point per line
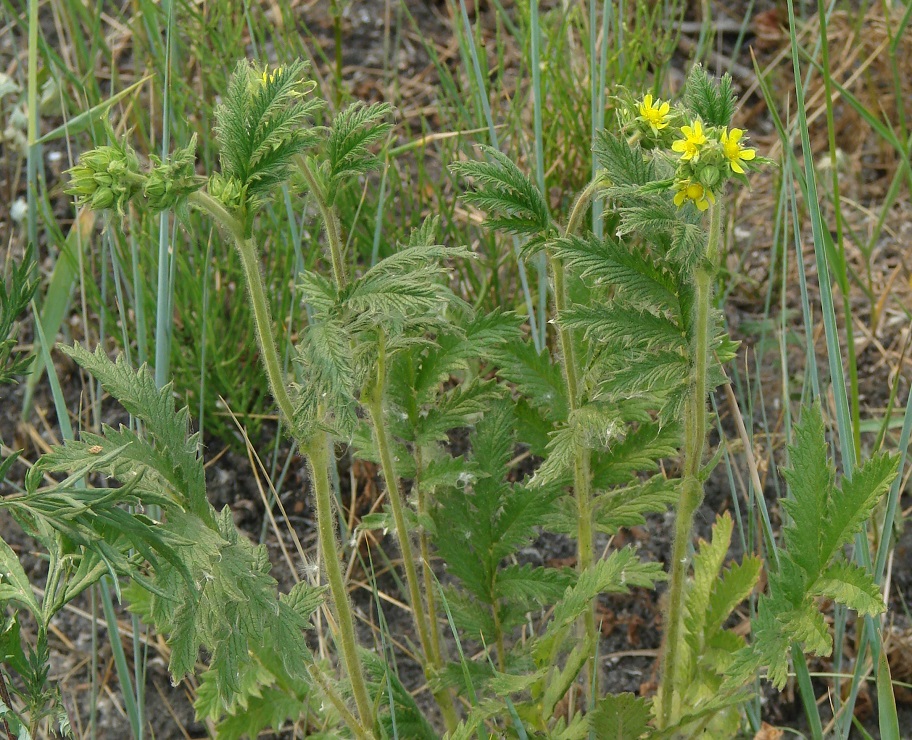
679 146
712 198
747 154
664 108
647 101
736 167
702 204
679 198
736 134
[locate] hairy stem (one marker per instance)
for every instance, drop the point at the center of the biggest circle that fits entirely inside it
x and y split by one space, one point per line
581 473
330 223
249 261
358 729
318 455
375 409
692 488
426 572
316 449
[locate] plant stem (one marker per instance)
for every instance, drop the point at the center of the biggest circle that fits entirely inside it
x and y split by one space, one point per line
330 223
318 455
336 700
427 573
250 262
316 449
692 487
581 474
374 404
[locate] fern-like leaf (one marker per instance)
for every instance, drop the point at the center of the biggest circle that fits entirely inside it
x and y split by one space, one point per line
512 201
712 101
353 132
168 428
263 124
623 164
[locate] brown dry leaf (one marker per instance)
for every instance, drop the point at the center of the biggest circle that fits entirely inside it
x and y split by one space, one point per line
768 732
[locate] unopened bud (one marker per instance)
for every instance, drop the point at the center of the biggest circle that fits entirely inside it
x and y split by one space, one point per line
709 176
102 199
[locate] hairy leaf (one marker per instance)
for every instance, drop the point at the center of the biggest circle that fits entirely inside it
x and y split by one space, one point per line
169 429
712 101
620 717
513 202
847 583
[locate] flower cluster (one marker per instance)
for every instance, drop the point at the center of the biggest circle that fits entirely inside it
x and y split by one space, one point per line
106 177
111 176
705 156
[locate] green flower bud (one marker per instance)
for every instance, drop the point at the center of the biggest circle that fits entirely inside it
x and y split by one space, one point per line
709 176
103 179
225 189
97 159
154 188
102 199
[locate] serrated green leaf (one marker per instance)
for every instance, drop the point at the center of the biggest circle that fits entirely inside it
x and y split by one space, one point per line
353 131
620 717
623 164
615 574
712 101
513 202
626 507
14 583
848 584
853 504
262 125
528 584
534 374
168 428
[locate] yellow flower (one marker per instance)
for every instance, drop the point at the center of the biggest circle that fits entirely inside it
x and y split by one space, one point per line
270 76
655 114
734 152
689 146
688 190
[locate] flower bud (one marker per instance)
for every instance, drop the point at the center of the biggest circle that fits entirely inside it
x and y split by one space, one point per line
102 198
709 176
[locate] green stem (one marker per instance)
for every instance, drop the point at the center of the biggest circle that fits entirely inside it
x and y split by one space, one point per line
374 404
330 223
692 488
250 262
336 700
581 473
426 572
316 449
318 456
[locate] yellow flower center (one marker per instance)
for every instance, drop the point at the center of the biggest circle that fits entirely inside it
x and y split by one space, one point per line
732 149
694 191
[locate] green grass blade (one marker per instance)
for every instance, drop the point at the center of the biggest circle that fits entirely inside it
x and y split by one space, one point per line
886 701
87 119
